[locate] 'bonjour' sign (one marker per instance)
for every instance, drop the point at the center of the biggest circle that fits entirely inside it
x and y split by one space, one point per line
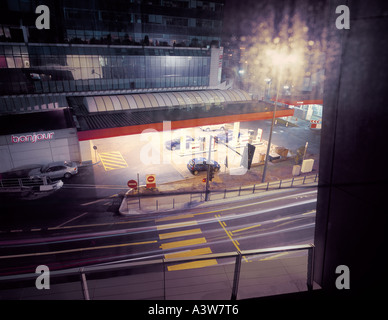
32 137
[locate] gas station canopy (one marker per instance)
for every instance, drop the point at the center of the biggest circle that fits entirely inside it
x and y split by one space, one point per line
163 99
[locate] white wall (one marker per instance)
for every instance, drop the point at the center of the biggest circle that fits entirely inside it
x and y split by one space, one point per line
63 146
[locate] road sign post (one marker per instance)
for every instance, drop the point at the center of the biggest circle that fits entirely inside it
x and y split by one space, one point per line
208 169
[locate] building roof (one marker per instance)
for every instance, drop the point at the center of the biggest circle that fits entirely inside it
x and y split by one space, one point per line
100 125
163 99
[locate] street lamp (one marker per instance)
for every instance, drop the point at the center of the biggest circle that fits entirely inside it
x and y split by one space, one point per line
268 81
280 60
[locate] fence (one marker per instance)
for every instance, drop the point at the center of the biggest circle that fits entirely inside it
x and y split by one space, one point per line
262 187
29 185
179 200
232 278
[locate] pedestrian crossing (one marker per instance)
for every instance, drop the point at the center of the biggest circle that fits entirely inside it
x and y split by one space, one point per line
182 240
112 160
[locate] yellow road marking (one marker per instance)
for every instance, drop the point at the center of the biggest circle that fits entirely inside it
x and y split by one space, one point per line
111 153
108 168
193 265
309 212
114 162
182 243
175 234
75 250
247 228
188 253
176 225
112 156
110 159
181 216
236 244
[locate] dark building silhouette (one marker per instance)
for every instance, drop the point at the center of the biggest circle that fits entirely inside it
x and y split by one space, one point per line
184 23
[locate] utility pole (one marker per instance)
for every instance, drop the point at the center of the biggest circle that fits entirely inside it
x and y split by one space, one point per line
272 125
305 149
208 169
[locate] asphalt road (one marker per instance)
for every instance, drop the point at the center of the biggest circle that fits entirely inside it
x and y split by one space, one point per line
276 219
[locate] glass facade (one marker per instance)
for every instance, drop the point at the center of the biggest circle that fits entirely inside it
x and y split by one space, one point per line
65 68
185 23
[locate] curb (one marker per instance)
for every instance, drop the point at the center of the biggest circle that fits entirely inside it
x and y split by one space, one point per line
124 211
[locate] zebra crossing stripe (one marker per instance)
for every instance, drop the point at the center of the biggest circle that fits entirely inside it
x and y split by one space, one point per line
112 160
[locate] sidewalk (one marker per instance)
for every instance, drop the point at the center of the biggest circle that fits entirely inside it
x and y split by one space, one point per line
188 194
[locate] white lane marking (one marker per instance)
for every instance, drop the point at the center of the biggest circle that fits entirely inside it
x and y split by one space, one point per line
81 215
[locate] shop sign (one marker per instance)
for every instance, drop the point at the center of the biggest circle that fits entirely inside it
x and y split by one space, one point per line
32 137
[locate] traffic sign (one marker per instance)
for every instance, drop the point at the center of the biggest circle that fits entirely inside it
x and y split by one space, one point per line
132 184
150 181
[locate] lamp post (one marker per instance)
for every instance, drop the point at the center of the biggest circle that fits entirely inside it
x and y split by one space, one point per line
270 133
268 81
280 60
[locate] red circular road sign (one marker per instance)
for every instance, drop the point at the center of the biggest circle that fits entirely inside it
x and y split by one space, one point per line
132 184
150 179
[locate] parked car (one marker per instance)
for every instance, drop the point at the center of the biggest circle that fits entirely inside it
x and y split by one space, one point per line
176 143
199 164
215 127
54 170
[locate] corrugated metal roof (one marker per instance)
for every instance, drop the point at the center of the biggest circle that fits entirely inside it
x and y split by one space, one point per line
103 120
163 99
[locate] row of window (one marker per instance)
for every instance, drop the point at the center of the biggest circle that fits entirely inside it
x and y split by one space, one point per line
31 103
59 86
83 17
64 49
121 5
50 69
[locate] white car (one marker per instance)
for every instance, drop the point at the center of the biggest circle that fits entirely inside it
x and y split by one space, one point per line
215 127
53 170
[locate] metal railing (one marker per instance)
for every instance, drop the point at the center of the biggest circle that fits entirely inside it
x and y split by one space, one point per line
110 271
266 186
173 200
23 185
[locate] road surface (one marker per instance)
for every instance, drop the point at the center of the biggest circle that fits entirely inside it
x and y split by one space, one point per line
282 218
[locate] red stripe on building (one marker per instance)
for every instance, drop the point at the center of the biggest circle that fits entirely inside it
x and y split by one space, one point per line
123 131
298 102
